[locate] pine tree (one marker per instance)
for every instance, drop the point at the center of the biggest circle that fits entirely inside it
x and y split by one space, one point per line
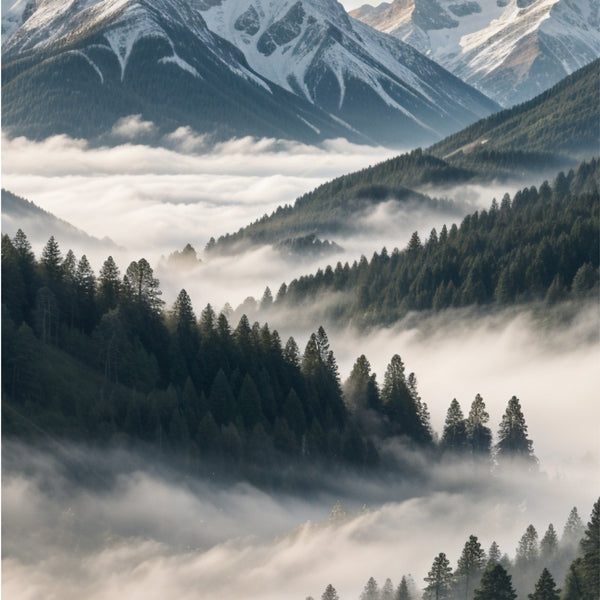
387 591
496 584
590 547
527 551
454 438
142 286
109 285
403 591
573 530
439 579
494 555
470 565
330 593
479 436
50 263
545 588
549 544
512 436
370 591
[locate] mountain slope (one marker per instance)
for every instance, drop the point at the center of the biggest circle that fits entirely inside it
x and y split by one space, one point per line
563 120
509 49
19 213
76 67
539 245
550 132
370 80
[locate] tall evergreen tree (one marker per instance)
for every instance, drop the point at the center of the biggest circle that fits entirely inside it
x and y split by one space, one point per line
142 286
545 588
470 566
527 551
370 591
50 263
454 438
387 591
590 547
403 591
512 436
573 530
109 286
496 584
330 593
548 545
439 579
494 554
479 435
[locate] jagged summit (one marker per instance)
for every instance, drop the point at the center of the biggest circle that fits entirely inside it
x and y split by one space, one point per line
510 49
298 69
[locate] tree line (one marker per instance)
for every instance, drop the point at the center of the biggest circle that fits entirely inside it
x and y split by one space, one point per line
98 357
541 244
574 559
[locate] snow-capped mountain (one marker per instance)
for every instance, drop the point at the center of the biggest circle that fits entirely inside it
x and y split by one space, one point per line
369 80
509 49
299 69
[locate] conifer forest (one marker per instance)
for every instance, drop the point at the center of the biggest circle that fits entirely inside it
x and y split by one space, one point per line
300 300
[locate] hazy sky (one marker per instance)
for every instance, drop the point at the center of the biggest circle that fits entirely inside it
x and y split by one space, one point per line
351 4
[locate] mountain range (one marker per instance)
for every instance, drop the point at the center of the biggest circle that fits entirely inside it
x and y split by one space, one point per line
511 50
298 70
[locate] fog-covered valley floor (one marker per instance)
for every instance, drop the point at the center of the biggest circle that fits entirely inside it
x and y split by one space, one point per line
78 523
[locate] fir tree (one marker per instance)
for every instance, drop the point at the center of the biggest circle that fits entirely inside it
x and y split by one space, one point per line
590 547
439 579
330 593
370 591
545 588
387 591
527 551
496 584
403 591
512 436
470 565
479 436
549 544
454 438
494 554
573 530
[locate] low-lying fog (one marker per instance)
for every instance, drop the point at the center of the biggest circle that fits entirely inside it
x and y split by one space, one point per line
152 201
139 534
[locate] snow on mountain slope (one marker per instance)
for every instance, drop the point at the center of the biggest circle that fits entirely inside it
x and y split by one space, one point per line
509 49
78 66
312 48
329 74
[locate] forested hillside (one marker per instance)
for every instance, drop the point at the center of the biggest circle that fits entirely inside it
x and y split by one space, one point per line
553 131
100 359
541 244
539 566
564 119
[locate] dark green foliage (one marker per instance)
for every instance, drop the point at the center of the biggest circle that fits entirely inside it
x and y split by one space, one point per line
545 588
439 579
479 436
513 442
538 245
403 592
496 584
454 438
590 563
122 368
470 567
565 119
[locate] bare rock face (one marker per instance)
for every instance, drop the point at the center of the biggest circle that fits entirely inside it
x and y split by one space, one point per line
509 59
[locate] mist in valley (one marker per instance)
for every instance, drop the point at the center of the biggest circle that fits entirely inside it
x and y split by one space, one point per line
78 522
